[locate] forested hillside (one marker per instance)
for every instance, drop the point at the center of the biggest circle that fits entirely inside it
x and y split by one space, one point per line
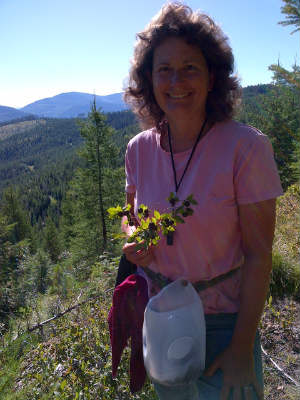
40 156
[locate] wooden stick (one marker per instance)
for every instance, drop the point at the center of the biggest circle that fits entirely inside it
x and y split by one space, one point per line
284 374
40 324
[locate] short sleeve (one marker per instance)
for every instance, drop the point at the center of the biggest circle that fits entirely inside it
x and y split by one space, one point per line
130 170
256 177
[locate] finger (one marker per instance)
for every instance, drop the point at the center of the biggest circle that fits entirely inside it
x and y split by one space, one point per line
248 392
259 390
225 392
135 258
146 260
212 368
237 393
140 257
129 247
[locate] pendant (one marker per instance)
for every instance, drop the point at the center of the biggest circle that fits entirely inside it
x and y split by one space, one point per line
170 238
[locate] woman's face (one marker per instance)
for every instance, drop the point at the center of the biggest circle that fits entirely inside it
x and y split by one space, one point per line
180 78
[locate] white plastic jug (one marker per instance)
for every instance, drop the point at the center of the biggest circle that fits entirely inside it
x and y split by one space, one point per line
174 335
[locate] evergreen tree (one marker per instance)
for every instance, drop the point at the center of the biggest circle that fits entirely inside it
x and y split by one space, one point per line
10 255
12 209
38 269
51 242
281 124
276 113
285 77
6 247
67 220
95 186
291 9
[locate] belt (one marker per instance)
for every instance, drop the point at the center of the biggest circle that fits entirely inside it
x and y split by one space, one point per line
162 281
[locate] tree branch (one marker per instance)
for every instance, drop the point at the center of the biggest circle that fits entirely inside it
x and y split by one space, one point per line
61 314
282 373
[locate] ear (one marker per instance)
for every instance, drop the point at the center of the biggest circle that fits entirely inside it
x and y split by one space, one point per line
211 81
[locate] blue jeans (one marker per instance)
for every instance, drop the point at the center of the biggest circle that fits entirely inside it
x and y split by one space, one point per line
219 330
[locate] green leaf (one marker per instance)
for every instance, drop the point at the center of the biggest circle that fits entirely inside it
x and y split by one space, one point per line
113 211
189 212
141 246
156 214
179 210
117 236
173 198
179 219
155 241
63 384
191 199
144 224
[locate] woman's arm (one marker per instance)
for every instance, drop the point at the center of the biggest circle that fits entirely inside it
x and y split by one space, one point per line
138 257
257 222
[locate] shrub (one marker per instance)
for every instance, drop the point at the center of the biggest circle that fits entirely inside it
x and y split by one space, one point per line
285 278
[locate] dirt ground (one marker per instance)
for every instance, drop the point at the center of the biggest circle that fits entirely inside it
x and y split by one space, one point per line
280 337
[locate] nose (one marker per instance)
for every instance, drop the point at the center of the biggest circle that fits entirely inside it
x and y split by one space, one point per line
176 77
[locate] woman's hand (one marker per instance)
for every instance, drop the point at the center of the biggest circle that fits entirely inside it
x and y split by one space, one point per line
238 374
140 257
129 229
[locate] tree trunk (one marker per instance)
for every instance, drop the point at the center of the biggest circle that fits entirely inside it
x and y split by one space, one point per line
100 199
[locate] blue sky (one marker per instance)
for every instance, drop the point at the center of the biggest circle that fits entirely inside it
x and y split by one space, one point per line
54 46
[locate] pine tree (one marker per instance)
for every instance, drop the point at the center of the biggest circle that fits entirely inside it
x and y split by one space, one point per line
6 247
291 9
67 220
283 111
12 209
281 124
51 242
38 269
95 187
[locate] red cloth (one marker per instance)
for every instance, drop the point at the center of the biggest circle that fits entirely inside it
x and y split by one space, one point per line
125 321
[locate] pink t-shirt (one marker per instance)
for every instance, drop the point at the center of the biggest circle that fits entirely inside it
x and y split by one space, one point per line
233 164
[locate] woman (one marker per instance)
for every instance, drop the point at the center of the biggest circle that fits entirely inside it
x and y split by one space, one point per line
182 88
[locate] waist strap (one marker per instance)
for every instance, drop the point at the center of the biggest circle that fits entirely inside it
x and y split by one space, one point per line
162 281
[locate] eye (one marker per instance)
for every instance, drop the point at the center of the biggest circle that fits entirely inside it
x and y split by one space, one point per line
191 67
164 68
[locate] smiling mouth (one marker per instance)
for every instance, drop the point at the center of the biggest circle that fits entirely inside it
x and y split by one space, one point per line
178 96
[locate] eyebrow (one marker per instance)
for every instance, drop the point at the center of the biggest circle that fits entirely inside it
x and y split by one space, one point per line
187 61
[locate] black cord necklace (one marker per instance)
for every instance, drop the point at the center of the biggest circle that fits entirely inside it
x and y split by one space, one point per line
170 236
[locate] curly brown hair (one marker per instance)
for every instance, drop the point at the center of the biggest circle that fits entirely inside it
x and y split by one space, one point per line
178 20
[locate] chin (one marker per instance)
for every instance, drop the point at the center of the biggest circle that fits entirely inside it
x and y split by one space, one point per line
180 111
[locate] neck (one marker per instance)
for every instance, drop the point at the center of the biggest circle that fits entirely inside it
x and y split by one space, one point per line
184 135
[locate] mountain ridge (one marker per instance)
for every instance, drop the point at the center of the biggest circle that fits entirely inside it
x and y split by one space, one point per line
78 104
74 104
11 113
